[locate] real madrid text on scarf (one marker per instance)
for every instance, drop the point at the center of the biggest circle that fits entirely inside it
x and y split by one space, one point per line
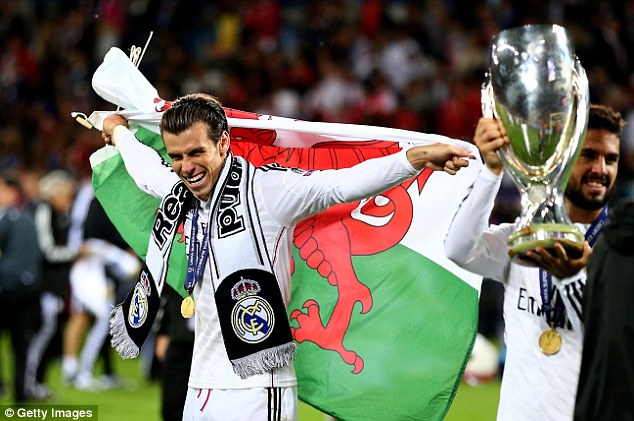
252 314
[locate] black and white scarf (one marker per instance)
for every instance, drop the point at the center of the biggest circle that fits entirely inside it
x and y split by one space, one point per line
132 320
251 311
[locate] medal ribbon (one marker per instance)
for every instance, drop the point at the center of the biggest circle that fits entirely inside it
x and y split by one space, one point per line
195 260
545 277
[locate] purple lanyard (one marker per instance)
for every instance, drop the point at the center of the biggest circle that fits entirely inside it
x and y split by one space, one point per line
545 277
195 260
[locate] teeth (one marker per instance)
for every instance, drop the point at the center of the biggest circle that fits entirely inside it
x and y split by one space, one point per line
194 180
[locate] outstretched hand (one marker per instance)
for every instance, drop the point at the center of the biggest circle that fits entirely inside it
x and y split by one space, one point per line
560 264
439 157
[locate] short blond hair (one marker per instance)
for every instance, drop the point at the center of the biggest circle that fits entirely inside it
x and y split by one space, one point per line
55 182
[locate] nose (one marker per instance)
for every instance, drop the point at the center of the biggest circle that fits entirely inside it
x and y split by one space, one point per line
599 166
187 166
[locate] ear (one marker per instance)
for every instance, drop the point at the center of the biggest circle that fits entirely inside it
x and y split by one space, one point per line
223 143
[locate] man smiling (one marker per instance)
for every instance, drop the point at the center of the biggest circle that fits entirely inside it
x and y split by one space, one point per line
539 384
238 228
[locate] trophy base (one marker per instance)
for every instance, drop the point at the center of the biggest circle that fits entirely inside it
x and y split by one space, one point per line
545 236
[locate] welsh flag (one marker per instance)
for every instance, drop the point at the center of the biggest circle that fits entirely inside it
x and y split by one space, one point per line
383 321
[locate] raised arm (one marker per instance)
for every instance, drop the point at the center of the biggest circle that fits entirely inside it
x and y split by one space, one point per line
150 171
438 157
296 196
470 242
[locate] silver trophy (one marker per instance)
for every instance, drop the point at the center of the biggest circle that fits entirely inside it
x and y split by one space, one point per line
538 90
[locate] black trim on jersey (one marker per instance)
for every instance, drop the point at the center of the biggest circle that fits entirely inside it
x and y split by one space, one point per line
164 162
574 293
273 166
274 404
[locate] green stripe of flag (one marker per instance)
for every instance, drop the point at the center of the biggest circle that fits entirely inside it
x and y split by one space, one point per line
415 341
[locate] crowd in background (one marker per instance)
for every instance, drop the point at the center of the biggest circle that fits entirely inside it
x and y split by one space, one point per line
409 64
415 65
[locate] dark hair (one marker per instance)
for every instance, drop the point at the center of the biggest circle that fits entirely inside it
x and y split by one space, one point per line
604 117
12 180
194 108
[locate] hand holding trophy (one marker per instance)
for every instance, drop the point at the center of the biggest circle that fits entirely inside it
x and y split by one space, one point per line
538 90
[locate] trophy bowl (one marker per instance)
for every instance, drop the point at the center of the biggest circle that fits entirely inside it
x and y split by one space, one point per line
538 90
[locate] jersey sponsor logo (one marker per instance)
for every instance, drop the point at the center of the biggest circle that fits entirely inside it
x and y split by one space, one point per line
532 305
252 319
139 307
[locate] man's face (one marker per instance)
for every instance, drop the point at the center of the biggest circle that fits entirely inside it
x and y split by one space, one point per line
196 159
594 174
62 199
8 195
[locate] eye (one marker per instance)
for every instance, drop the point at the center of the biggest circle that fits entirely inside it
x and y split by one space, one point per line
197 152
587 154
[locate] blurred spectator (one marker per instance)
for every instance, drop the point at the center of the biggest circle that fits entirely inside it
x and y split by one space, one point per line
20 266
95 276
52 221
458 114
337 97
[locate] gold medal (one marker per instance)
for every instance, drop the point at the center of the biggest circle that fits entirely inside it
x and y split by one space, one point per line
187 307
550 342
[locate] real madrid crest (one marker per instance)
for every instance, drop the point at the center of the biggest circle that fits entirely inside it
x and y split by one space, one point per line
252 316
138 307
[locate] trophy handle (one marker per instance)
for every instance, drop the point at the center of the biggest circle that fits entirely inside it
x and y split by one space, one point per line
486 97
582 97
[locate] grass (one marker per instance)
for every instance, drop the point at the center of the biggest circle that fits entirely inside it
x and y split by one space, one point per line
475 403
139 399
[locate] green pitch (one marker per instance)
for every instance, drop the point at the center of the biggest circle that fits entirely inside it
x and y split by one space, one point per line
139 399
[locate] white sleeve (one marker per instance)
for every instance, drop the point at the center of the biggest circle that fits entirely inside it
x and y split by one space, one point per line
470 242
291 195
150 171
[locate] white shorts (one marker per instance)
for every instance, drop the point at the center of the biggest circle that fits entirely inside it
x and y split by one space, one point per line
255 404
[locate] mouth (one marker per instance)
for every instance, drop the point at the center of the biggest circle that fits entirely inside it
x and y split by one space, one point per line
196 181
597 185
